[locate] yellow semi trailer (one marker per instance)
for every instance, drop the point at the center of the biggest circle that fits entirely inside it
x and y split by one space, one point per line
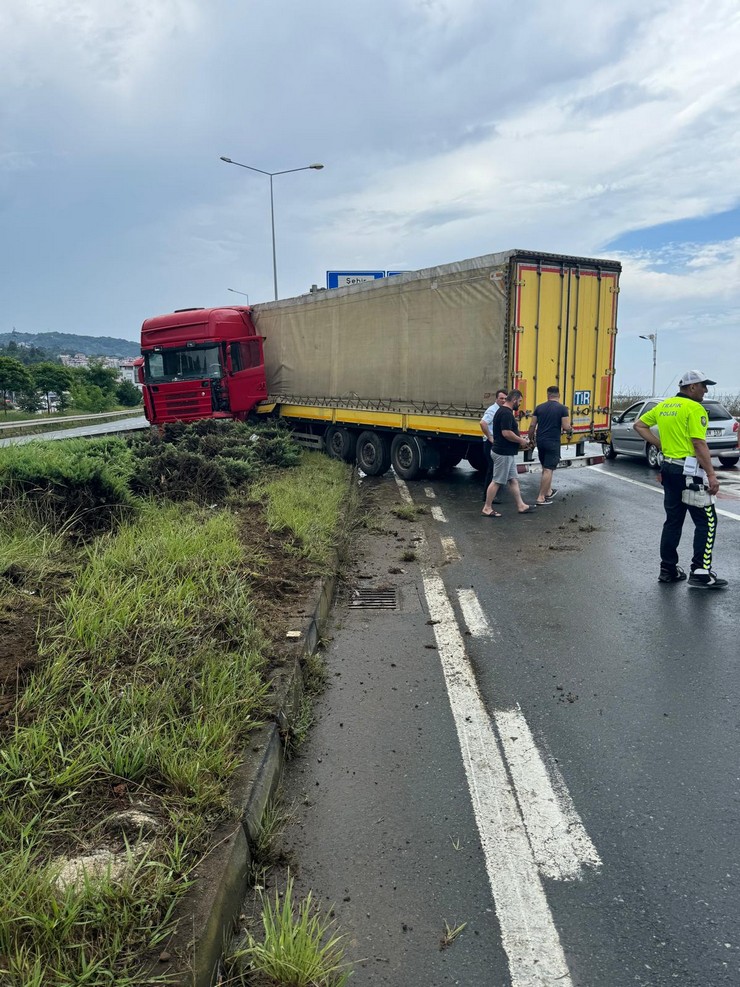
399 371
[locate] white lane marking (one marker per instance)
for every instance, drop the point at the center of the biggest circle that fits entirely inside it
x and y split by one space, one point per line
560 843
528 933
430 493
450 549
656 489
403 490
438 514
472 611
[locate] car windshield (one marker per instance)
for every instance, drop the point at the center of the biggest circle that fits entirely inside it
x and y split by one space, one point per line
188 363
717 412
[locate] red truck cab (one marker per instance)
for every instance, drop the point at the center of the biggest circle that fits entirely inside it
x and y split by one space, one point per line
202 363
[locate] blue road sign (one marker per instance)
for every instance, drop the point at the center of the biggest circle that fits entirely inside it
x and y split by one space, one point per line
342 279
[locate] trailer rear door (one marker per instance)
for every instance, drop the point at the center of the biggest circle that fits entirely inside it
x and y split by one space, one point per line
562 331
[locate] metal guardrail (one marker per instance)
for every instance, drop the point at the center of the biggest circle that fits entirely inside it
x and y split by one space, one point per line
35 422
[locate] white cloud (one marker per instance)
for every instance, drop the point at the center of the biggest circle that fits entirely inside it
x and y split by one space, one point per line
448 128
86 42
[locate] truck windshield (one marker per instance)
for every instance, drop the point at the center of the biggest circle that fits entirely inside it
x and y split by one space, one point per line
182 364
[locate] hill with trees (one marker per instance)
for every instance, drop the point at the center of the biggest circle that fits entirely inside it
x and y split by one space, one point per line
54 343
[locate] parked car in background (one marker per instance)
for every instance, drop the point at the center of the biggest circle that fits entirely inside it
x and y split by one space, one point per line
722 434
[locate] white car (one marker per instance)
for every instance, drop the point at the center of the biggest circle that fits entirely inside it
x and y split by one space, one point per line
722 434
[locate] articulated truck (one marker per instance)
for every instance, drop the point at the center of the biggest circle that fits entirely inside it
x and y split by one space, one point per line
398 371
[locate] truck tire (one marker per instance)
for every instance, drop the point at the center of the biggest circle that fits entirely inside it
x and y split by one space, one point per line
373 453
340 443
450 454
476 456
406 456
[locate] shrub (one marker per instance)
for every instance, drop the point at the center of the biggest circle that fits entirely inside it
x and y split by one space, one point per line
85 479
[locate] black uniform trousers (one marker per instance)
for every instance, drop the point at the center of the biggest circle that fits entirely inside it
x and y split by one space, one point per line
704 518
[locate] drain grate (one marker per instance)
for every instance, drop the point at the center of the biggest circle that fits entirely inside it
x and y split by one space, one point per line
374 599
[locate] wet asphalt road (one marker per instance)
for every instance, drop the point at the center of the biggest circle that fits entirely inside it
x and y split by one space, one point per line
629 687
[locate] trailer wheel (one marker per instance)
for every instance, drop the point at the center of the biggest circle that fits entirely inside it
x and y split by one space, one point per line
406 456
373 453
339 443
476 456
450 454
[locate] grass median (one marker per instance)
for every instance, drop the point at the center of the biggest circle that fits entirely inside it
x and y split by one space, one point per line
118 749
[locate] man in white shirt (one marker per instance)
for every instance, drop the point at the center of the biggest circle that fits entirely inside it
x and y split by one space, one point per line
486 426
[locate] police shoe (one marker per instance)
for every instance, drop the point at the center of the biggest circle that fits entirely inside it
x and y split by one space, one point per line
672 575
706 579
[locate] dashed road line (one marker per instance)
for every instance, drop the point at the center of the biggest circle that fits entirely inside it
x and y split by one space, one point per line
450 549
430 493
559 841
438 514
528 934
475 620
513 821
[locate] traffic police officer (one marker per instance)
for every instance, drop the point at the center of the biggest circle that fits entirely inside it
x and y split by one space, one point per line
682 425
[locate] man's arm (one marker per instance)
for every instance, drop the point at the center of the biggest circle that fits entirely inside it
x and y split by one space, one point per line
647 433
704 458
485 428
513 437
532 429
565 424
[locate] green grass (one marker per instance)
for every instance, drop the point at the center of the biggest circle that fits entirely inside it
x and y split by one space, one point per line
298 947
31 544
153 680
149 685
307 502
410 512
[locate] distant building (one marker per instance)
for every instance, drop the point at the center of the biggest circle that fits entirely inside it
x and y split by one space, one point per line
127 371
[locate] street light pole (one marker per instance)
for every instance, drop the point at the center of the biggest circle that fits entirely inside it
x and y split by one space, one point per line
653 337
271 175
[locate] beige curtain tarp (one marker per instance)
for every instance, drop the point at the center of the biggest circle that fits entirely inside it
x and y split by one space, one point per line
433 338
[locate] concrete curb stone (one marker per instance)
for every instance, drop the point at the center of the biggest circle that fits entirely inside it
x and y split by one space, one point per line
213 908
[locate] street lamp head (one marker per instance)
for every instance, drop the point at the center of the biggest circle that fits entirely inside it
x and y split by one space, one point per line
316 167
227 160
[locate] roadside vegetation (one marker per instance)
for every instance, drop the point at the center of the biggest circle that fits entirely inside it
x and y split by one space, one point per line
298 947
46 385
141 583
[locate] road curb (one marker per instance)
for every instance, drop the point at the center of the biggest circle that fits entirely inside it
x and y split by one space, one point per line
211 910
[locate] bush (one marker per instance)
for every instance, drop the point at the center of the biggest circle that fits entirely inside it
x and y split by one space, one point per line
85 479
179 475
128 394
207 460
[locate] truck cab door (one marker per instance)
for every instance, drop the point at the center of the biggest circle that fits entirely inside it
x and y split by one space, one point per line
246 374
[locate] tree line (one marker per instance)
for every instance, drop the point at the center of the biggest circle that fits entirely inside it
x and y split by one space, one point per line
38 385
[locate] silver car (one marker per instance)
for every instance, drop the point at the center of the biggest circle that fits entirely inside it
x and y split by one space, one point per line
722 434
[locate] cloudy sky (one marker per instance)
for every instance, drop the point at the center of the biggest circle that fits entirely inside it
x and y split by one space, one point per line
447 128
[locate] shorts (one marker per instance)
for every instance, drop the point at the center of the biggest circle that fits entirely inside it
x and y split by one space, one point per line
504 468
549 456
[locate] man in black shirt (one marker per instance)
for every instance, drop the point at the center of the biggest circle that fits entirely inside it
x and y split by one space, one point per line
549 420
506 444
